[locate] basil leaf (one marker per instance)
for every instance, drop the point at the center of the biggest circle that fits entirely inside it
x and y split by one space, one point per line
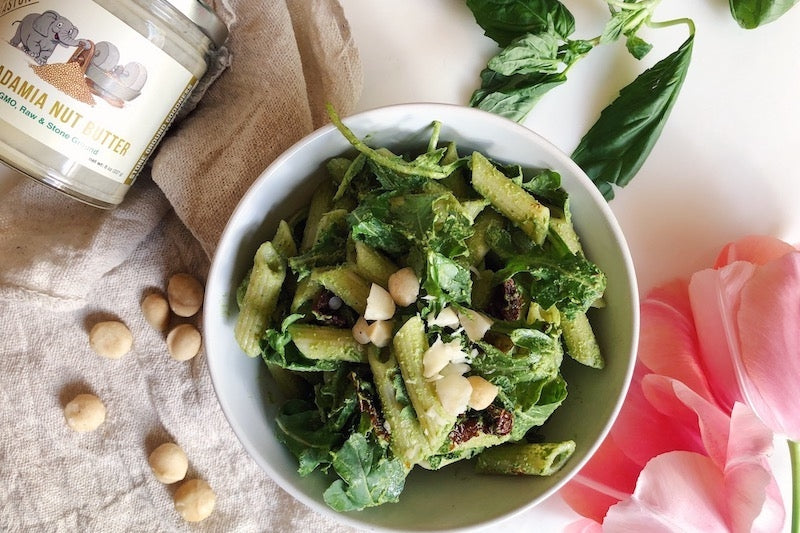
505 20
529 54
637 46
616 147
513 97
518 76
751 14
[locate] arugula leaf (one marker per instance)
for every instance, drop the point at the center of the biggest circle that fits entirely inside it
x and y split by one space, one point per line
532 403
447 280
540 359
434 221
303 431
751 14
423 166
616 147
571 283
371 222
368 476
329 249
505 20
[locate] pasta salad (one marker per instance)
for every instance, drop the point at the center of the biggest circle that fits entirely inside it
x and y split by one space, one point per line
417 313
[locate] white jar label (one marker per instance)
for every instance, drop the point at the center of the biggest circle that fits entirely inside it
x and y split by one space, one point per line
79 80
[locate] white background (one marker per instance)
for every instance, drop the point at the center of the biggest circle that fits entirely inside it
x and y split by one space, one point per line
725 165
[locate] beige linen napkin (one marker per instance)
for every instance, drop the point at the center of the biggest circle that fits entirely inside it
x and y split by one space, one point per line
65 266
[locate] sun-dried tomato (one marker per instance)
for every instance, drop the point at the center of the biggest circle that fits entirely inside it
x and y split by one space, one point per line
507 301
330 310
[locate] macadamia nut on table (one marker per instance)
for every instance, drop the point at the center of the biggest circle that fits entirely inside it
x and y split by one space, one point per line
111 339
183 342
169 463
185 294
85 413
155 309
195 500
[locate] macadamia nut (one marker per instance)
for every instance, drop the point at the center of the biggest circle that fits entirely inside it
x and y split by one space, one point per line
85 412
483 393
111 339
185 294
404 286
183 342
169 463
195 500
155 309
380 305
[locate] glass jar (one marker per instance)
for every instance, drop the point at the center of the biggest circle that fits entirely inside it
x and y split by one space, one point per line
89 87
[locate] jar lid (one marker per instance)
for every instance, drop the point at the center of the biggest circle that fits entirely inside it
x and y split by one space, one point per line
204 18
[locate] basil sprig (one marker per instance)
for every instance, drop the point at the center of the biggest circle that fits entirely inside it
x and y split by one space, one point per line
538 51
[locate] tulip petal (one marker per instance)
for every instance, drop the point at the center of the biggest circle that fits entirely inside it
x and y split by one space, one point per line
715 295
584 525
662 433
757 249
607 478
668 342
751 491
691 415
769 332
676 491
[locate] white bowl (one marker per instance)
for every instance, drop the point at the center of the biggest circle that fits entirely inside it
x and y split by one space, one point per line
455 497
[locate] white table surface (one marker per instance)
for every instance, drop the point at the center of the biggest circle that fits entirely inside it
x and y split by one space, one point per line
725 165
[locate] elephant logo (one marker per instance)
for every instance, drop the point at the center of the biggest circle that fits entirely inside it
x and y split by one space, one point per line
110 79
93 69
38 35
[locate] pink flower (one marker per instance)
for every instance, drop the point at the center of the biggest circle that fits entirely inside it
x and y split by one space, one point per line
719 363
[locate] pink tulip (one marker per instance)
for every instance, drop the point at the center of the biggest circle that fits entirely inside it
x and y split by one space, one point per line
719 364
748 321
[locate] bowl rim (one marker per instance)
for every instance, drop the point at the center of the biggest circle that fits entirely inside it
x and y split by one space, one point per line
430 109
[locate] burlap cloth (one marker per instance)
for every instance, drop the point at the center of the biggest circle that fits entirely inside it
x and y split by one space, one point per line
64 266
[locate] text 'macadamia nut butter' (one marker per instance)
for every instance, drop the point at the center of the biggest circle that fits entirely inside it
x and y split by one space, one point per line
88 88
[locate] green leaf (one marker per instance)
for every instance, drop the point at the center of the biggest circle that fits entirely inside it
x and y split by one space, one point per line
513 97
423 166
616 147
517 77
532 403
368 476
531 53
751 14
539 359
446 280
303 431
505 20
329 249
371 223
571 283
637 46
277 348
